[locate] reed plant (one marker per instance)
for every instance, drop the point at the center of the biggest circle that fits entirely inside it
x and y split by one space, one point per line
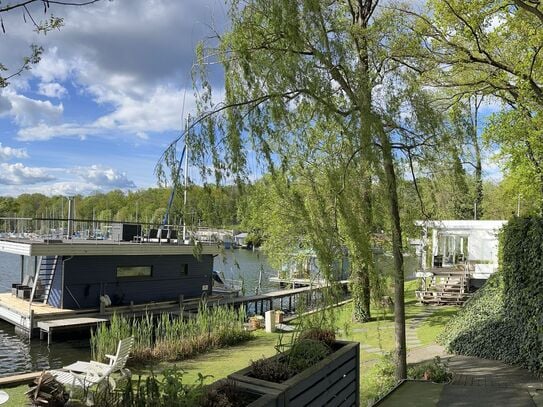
171 338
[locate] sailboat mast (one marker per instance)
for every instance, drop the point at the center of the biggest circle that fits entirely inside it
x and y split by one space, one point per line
186 176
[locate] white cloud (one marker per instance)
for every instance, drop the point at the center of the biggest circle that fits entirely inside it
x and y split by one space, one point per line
104 178
7 153
19 174
52 67
43 132
30 112
5 105
160 111
52 90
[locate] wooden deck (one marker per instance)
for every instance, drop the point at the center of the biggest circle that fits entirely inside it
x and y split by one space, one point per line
22 306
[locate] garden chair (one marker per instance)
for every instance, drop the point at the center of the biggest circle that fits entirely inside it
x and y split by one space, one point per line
86 374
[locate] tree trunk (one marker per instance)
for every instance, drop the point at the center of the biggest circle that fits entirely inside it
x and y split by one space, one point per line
362 290
399 304
478 161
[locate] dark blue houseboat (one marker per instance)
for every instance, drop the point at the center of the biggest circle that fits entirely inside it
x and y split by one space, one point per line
71 277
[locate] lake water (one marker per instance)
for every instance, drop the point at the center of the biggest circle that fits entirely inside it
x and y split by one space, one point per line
19 354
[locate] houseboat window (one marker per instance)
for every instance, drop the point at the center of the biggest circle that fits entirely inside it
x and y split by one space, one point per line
134 271
185 269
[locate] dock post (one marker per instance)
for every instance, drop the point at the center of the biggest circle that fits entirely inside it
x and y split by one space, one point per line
181 300
22 269
31 322
269 321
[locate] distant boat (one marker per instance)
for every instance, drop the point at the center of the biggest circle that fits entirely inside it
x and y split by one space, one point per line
302 268
224 286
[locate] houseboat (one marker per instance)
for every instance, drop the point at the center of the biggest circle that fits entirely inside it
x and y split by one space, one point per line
456 258
63 278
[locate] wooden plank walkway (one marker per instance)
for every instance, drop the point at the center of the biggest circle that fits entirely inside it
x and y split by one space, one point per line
18 379
49 325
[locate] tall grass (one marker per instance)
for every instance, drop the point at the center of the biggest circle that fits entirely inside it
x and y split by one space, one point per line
164 337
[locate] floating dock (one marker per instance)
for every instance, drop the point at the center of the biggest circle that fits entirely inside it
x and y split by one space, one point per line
43 319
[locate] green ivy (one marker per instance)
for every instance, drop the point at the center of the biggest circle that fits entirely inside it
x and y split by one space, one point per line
504 318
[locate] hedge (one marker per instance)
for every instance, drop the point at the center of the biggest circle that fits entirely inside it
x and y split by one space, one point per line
504 319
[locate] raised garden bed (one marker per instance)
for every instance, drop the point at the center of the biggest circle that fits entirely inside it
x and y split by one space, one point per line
334 381
249 395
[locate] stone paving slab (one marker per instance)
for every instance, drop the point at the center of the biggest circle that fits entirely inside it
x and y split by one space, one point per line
491 373
468 396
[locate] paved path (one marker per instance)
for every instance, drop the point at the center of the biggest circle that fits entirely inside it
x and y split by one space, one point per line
411 338
491 381
481 382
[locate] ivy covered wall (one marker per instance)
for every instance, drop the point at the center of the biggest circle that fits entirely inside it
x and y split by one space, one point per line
504 319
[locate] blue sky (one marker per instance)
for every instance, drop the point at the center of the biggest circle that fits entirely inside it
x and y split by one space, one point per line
107 97
105 100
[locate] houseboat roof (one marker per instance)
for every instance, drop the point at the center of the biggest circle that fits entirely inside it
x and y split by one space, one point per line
462 224
80 247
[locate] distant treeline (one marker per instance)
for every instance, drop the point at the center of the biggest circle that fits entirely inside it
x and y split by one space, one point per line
247 206
213 206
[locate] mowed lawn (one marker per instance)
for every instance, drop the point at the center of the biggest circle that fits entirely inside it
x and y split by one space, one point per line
378 333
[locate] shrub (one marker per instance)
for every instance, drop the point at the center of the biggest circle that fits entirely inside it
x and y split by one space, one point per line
271 369
436 371
324 335
503 319
306 353
384 378
171 391
299 355
226 395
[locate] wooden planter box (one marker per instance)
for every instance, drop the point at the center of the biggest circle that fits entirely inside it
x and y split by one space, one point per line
265 397
334 381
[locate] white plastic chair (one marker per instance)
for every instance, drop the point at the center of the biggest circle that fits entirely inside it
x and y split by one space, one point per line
86 374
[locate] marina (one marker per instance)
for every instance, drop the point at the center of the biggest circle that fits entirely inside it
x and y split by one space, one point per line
19 353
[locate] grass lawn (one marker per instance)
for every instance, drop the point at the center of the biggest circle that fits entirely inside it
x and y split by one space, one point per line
17 396
219 363
378 333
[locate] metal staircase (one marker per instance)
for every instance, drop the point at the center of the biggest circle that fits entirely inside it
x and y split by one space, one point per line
46 274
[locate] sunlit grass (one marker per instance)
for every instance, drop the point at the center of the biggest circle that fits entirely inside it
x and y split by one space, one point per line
378 333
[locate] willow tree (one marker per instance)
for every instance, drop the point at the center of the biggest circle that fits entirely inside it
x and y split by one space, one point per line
293 67
29 14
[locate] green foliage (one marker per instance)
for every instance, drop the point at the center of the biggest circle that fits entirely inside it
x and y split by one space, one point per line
518 133
168 392
227 394
212 206
383 378
271 369
326 336
305 353
436 371
305 350
171 338
503 319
